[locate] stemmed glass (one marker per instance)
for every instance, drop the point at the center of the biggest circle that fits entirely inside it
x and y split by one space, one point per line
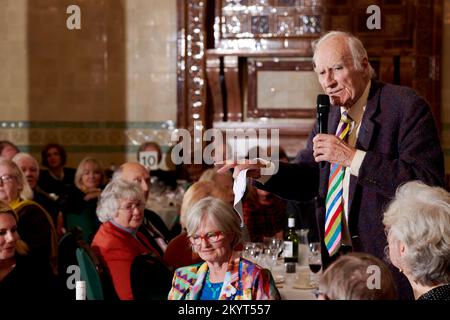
314 261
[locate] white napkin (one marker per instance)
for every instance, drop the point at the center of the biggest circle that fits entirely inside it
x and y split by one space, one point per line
239 187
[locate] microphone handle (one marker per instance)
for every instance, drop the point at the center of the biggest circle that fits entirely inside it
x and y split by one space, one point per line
322 129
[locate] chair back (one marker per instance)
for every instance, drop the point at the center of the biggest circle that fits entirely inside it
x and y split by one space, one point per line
90 274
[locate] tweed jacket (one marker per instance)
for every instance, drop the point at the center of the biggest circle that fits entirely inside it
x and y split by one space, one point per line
244 280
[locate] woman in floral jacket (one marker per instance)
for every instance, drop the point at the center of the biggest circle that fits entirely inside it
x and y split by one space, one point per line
214 231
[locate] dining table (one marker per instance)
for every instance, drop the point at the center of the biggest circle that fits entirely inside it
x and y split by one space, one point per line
297 285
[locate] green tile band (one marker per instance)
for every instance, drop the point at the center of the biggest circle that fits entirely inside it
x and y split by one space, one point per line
169 124
91 149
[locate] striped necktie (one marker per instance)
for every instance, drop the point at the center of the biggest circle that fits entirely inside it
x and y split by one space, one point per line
334 203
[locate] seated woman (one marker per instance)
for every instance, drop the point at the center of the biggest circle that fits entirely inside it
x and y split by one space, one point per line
214 231
21 277
35 224
179 250
80 210
118 241
357 276
30 168
417 223
57 180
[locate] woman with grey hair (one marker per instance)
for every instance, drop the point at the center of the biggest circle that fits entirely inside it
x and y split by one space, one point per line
417 223
214 231
118 241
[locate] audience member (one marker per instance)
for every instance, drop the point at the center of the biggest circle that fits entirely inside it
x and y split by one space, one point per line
417 223
153 226
118 241
34 223
214 231
357 276
223 180
57 180
21 277
8 150
30 168
80 209
166 178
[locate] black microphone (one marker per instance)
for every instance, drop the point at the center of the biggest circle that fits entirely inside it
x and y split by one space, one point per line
323 108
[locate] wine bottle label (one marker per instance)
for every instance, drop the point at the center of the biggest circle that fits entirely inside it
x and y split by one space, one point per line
288 249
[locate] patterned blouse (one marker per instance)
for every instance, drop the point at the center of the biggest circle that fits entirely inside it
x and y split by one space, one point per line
243 280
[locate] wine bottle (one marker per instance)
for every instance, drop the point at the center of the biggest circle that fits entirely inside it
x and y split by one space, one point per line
291 243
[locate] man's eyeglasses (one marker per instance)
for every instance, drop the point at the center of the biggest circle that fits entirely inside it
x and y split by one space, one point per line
210 237
130 207
6 178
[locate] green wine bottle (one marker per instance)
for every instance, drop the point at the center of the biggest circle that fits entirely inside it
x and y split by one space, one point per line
291 243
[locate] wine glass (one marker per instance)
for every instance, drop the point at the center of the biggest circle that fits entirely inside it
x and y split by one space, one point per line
314 261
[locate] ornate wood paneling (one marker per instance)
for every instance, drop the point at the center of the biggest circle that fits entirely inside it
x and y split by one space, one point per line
406 50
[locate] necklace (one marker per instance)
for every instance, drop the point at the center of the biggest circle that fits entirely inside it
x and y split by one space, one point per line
214 287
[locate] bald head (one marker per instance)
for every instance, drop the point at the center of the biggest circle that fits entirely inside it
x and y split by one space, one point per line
134 172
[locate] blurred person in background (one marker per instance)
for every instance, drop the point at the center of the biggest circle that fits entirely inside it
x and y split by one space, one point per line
80 209
166 178
57 180
8 149
357 276
34 223
30 168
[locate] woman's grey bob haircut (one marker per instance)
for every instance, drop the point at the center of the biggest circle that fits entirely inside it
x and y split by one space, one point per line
115 192
419 216
219 213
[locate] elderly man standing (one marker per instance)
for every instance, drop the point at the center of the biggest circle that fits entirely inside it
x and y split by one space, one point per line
380 136
153 226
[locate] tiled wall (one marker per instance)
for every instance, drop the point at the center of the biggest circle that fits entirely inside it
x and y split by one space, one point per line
101 90
109 86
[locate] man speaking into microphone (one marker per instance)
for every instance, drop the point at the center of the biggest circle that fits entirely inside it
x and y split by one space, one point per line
379 136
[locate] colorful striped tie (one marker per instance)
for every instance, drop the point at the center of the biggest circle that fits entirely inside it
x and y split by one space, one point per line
334 203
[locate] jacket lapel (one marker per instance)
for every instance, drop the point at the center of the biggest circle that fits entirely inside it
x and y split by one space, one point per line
196 288
365 134
231 282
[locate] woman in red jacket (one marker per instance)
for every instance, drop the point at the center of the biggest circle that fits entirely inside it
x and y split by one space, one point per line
118 241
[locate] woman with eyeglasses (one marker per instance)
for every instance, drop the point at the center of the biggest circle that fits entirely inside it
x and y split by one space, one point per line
118 241
35 225
214 231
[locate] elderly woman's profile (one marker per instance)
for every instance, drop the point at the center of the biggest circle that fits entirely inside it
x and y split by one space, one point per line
417 223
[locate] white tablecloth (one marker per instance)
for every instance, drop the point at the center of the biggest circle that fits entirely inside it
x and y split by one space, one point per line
289 281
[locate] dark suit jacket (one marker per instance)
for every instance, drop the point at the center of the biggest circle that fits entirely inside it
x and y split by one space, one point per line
401 141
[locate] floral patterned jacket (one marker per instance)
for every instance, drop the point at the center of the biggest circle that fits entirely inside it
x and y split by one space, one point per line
244 280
